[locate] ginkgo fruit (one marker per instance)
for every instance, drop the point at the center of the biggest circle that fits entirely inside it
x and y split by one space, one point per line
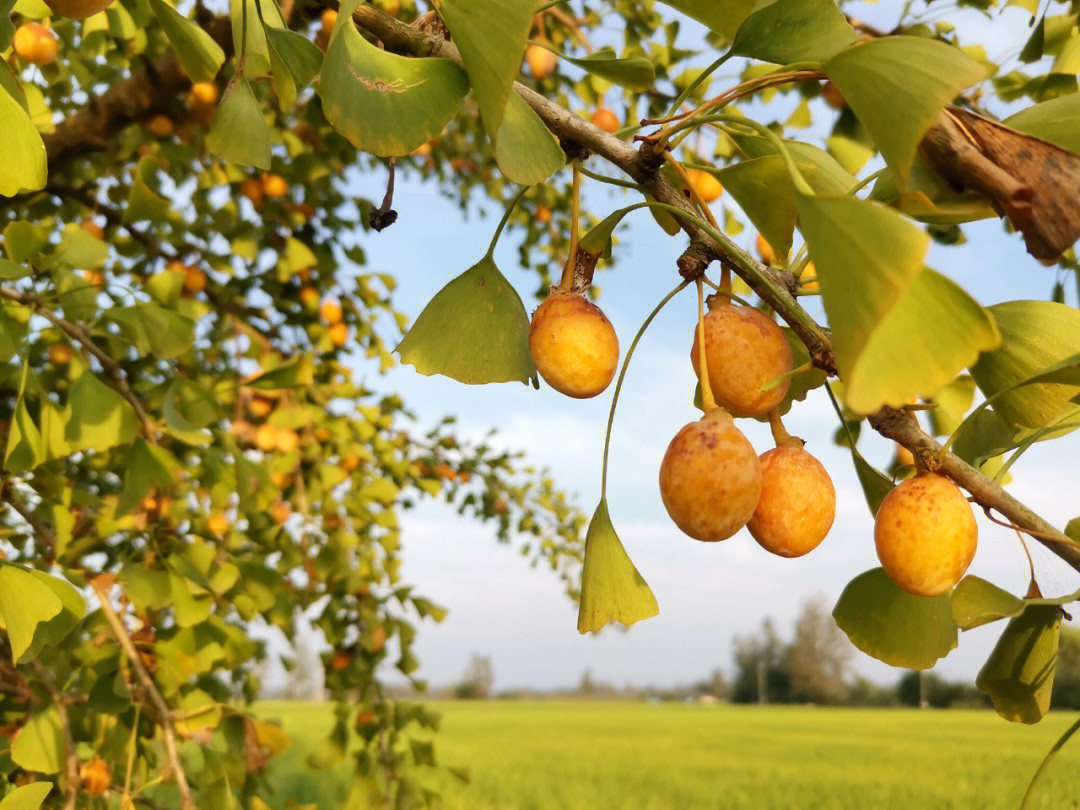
260 407
797 505
280 512
78 9
606 119
543 214
253 190
331 311
194 279
60 354
95 776
160 126
339 334
925 534
266 438
765 250
218 524
745 349
541 61
833 97
274 185
35 43
204 93
328 19
710 478
286 440
573 345
707 186
904 457
309 297
809 280
93 229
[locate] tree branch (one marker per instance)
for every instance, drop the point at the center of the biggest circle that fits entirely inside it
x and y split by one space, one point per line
100 585
774 286
41 529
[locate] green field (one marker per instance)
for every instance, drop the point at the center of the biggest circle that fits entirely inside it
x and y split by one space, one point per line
635 756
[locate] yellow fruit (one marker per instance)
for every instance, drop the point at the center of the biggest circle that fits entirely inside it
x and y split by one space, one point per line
60 354
95 776
350 463
745 349
328 19
286 440
391 7
925 534
160 126
78 9
543 214
253 190
541 61
833 97
330 311
217 524
710 479
573 345
605 119
93 277
93 229
423 150
274 185
36 44
260 408
707 186
904 457
204 93
339 334
765 250
797 505
810 274
280 479
266 438
194 279
309 297
280 512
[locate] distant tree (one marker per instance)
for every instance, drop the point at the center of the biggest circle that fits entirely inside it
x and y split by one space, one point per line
478 680
940 693
715 685
306 677
761 674
818 657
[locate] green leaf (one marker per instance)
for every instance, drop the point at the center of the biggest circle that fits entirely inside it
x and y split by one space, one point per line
491 37
78 250
27 797
1057 121
39 745
144 202
526 151
976 602
1019 675
363 87
475 330
900 330
294 374
198 54
169 333
722 16
24 165
951 403
239 132
25 603
875 484
51 632
612 590
929 198
24 240
249 37
7 27
633 72
764 190
1035 335
822 172
893 626
99 417
296 62
985 435
898 86
148 466
786 31
25 447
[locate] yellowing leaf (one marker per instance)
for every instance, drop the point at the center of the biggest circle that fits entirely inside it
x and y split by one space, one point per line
1019 674
198 54
239 132
23 167
39 745
612 590
25 603
27 797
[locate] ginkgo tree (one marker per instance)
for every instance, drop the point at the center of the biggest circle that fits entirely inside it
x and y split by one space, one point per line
186 452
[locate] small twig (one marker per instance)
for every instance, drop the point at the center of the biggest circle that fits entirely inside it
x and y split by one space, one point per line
99 585
41 529
384 216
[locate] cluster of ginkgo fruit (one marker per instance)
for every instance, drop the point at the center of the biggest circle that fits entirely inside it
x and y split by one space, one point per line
712 481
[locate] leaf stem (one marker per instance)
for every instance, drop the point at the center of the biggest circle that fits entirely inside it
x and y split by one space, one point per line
622 376
708 401
1046 763
505 218
706 73
567 281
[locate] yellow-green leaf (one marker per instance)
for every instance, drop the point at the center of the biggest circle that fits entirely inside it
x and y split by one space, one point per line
526 151
1057 121
976 602
722 16
27 797
1019 674
39 745
198 54
786 31
239 132
23 167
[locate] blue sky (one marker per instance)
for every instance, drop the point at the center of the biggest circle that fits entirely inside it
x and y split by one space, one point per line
707 593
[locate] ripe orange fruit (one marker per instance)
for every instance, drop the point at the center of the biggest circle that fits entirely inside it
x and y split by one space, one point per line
744 349
280 512
286 440
266 438
340 661
573 345
378 640
339 334
36 44
274 185
833 97
60 354
328 19
93 229
194 279
904 457
710 478
331 311
543 214
810 274
93 277
309 297
797 504
350 463
605 119
925 534
253 190
204 93
78 9
707 186
765 250
161 126
95 776
541 62
217 524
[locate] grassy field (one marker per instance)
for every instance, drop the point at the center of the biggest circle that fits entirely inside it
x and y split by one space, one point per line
610 756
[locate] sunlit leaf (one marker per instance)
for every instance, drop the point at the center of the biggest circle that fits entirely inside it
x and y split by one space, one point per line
475 330
786 31
39 745
364 88
144 201
722 16
27 797
893 626
99 417
764 190
23 167
25 603
898 85
1056 120
526 151
199 56
976 602
612 590
239 132
632 72
295 60
1019 675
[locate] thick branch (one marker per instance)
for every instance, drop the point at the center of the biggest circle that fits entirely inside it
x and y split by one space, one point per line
776 290
100 585
41 529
